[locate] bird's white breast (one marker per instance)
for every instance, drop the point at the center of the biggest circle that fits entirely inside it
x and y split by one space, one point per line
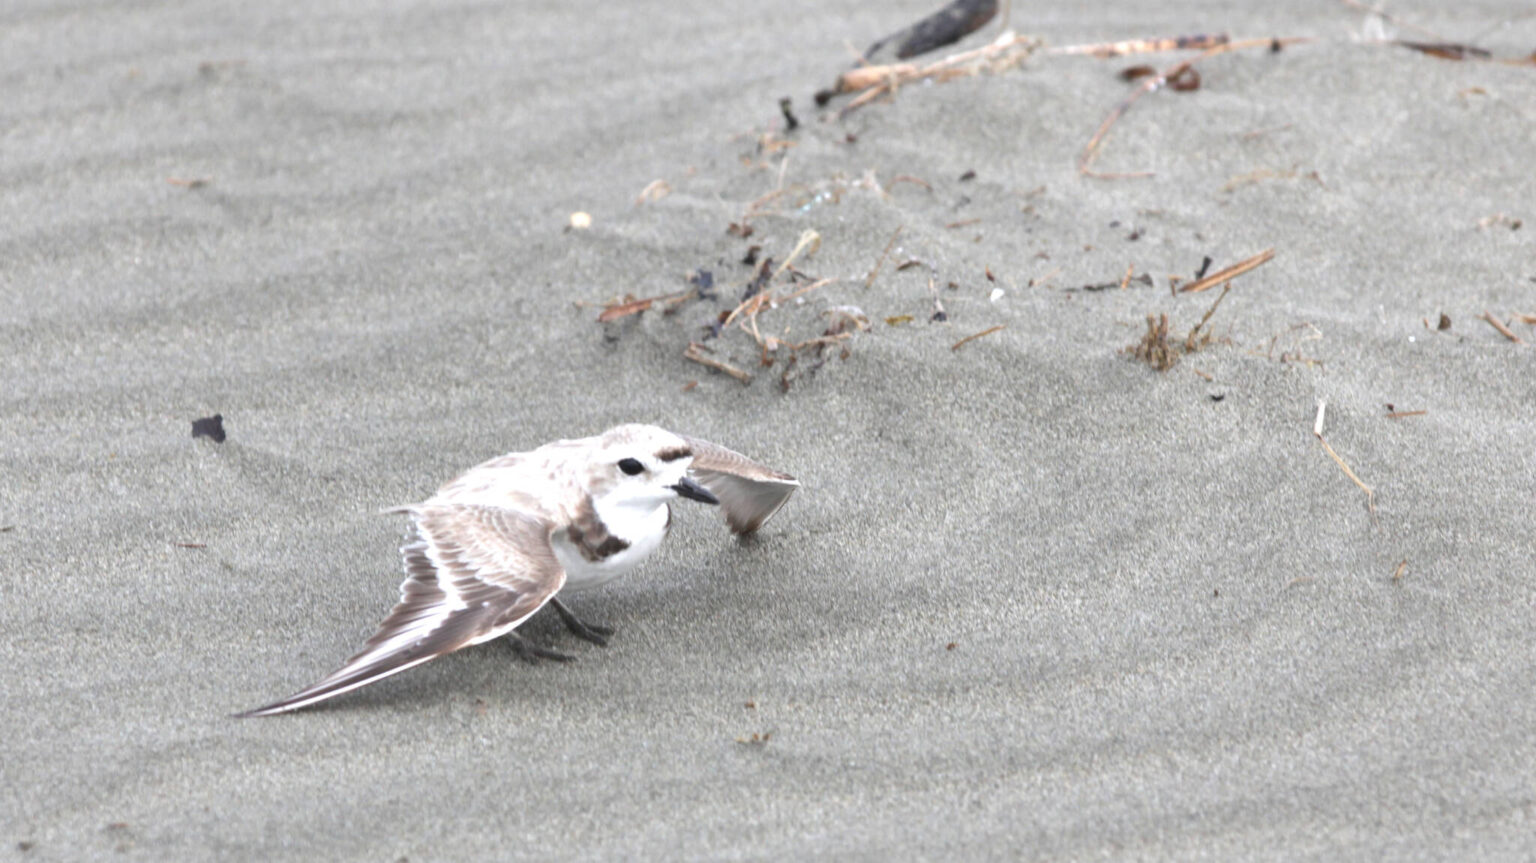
641 529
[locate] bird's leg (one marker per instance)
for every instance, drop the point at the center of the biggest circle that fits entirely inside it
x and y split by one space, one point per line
532 653
598 635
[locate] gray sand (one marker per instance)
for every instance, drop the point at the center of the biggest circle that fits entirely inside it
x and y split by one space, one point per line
1175 624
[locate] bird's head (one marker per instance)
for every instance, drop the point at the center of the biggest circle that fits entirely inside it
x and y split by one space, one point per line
644 467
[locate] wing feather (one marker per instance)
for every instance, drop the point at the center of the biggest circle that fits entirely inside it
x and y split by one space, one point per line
472 573
749 493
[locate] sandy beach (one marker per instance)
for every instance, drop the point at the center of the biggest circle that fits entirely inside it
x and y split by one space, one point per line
1036 599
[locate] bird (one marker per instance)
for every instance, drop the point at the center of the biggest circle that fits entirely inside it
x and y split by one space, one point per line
499 542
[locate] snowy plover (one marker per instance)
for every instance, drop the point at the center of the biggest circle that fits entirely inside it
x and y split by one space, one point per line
495 545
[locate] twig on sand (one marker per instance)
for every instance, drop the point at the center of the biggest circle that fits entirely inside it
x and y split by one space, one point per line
808 240
1504 331
908 178
749 308
1317 431
653 191
881 261
1008 50
1228 273
1397 415
1176 72
634 307
973 336
1397 574
1190 342
1108 50
697 353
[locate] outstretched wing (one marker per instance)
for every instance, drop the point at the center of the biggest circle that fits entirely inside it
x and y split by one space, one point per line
749 492
472 573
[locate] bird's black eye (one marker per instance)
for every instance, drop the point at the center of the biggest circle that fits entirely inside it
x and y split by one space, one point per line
631 466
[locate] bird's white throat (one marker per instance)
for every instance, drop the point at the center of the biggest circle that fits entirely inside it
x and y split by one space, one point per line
632 518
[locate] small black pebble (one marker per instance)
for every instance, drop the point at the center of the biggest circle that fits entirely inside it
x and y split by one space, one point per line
1216 397
211 427
968 175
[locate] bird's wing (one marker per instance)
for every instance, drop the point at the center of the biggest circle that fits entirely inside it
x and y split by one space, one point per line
472 573
749 492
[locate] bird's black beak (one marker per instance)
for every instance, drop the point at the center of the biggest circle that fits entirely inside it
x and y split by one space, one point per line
693 491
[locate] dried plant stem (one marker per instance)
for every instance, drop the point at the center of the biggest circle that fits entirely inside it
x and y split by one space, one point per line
1317 431
1107 50
696 352
635 307
654 191
1007 49
1504 331
973 336
767 299
1189 341
877 81
1228 273
808 240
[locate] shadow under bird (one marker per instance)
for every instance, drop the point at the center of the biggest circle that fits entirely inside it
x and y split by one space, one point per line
499 542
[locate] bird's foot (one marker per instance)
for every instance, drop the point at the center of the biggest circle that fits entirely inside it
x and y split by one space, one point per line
531 653
592 632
